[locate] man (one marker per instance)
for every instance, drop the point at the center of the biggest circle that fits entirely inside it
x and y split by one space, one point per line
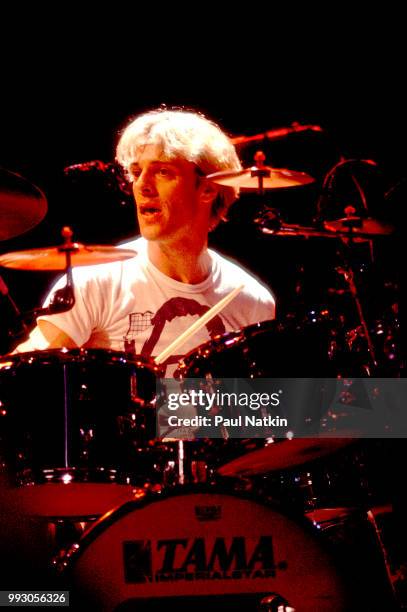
144 303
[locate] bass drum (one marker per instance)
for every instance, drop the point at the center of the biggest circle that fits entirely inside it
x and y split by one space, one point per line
71 427
195 549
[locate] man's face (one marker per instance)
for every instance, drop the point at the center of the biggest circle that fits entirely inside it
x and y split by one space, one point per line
168 197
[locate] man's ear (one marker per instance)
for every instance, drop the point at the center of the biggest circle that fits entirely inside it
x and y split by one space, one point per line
209 191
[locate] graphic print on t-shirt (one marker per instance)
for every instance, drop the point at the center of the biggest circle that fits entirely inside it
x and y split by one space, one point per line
170 310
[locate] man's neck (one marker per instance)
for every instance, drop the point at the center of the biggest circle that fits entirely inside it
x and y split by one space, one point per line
184 263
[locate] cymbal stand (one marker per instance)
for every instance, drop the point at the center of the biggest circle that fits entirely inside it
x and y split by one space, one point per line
19 328
260 170
347 272
62 300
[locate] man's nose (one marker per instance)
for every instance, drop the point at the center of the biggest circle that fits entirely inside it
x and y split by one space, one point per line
145 184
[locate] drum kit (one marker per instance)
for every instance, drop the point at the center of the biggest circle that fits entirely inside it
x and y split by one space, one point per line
129 517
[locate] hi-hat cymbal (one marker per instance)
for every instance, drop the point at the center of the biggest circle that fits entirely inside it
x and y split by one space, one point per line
54 258
282 455
358 226
271 178
22 205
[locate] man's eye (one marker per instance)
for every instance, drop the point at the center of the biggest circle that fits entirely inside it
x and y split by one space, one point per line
164 171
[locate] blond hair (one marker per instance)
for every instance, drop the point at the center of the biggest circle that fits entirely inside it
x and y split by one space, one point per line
187 135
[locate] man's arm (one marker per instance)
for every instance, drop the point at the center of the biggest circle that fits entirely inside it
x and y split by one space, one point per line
44 336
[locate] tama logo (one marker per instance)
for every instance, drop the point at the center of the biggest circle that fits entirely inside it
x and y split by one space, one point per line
219 558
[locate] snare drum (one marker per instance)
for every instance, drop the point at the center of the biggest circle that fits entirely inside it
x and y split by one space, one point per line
72 424
192 549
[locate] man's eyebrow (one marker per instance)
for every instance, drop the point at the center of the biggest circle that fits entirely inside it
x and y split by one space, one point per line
156 162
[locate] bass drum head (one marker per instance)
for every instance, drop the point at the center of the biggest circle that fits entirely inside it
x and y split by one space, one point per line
188 551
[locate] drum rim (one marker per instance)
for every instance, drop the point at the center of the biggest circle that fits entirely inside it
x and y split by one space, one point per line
226 486
78 355
218 343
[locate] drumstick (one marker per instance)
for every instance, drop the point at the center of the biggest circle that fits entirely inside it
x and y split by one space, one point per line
197 325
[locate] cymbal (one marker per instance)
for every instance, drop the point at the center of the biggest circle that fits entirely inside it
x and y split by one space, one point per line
358 226
247 180
54 258
282 455
22 205
313 232
270 223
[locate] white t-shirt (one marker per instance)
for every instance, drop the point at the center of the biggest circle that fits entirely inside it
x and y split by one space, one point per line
132 306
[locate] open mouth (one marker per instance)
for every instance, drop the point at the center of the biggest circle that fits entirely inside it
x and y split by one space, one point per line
149 210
